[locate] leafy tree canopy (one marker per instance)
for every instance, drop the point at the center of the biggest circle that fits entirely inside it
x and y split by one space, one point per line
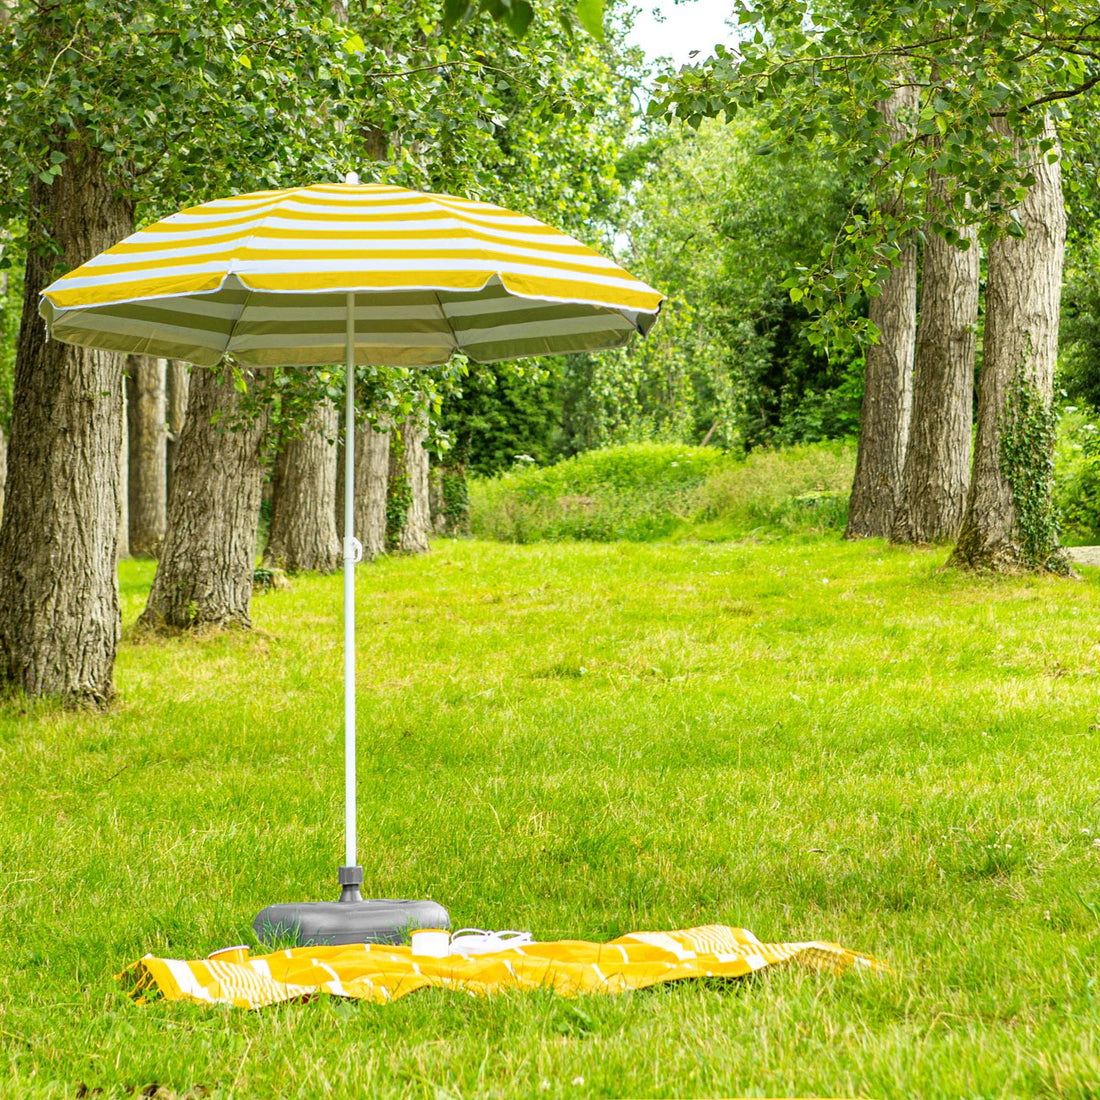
188 101
197 99
519 14
718 225
988 70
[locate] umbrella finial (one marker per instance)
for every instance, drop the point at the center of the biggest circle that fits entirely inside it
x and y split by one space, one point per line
352 179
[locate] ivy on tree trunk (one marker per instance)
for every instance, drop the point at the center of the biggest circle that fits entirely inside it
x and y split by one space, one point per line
450 500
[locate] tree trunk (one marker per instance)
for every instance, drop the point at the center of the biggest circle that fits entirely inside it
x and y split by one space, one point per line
148 436
888 371
1009 521
124 475
409 513
372 477
209 554
937 463
59 605
338 498
3 469
450 499
4 237
178 380
303 518
372 481
437 501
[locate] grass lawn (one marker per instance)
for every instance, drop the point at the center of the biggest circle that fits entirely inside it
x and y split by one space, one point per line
805 738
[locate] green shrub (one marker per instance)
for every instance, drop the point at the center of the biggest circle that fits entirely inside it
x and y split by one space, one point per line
803 488
632 466
1077 477
641 492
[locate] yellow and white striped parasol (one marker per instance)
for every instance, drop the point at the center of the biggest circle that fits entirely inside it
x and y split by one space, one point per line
264 277
371 275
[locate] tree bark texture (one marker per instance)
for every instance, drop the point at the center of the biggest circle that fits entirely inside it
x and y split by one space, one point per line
206 567
59 606
937 462
3 469
146 414
178 379
303 515
437 501
4 236
124 474
888 371
338 499
372 478
373 473
1023 289
410 462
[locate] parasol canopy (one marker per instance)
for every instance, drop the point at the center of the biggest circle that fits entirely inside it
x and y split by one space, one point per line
265 277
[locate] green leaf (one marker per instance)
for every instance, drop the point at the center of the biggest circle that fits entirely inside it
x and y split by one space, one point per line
453 11
519 17
590 14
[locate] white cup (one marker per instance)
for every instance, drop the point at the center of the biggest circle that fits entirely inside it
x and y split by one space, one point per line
431 942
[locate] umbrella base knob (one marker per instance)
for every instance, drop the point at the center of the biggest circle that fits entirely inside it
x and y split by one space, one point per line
351 878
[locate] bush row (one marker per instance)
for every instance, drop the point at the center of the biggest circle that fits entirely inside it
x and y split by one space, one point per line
643 491
1077 477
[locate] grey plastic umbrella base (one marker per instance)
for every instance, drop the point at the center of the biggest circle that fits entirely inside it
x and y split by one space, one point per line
349 920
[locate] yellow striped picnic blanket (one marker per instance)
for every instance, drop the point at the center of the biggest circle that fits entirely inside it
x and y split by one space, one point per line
381 973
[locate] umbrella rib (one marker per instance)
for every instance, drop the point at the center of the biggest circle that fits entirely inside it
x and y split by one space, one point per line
446 321
239 317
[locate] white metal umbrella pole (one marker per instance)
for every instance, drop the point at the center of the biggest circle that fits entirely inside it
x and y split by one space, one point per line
351 875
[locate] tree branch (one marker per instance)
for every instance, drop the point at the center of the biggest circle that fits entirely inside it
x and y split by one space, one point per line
1065 93
57 58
